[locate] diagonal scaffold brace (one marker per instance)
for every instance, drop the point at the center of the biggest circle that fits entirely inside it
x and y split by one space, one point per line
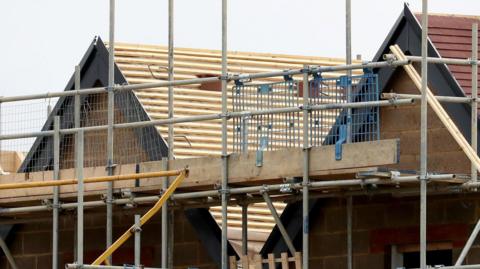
439 110
144 219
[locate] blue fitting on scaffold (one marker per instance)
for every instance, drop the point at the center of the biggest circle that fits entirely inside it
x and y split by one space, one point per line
342 133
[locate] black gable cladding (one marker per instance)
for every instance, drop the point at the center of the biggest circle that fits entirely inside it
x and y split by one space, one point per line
209 233
406 32
94 73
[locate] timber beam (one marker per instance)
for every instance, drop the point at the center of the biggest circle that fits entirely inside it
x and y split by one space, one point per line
204 173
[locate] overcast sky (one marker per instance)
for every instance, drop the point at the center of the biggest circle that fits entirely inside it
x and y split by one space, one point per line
43 40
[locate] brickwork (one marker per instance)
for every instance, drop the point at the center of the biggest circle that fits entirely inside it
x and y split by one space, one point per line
403 122
31 243
379 223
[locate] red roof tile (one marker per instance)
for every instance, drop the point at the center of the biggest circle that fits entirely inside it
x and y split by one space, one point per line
451 36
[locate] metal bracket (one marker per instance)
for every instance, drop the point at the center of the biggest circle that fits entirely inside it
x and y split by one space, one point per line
238 83
264 89
286 188
344 81
317 75
367 70
342 138
287 77
259 156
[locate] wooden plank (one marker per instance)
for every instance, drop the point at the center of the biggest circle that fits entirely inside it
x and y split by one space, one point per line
233 262
439 110
205 172
298 260
271 261
257 260
245 261
284 257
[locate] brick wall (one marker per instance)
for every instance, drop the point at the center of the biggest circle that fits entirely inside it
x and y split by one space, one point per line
31 243
381 222
403 122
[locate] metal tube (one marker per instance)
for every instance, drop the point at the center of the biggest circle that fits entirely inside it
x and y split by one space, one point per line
164 236
474 97
446 99
138 231
8 254
141 86
241 190
423 139
348 46
468 244
77 124
111 121
224 240
170 78
349 232
167 249
212 117
245 229
56 176
61 182
348 30
77 106
279 223
306 170
79 172
435 60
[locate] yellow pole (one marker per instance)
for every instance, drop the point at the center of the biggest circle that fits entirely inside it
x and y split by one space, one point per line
49 183
158 205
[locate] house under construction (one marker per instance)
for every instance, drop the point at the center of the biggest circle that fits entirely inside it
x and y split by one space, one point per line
163 157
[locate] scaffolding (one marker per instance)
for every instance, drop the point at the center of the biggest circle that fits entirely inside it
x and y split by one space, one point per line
304 111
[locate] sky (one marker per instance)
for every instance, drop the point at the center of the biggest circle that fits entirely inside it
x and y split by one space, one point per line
42 41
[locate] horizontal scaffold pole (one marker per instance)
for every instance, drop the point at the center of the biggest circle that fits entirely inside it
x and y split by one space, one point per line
141 86
140 124
51 183
243 190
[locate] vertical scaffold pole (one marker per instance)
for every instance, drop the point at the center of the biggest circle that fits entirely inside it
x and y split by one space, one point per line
56 176
76 119
474 95
349 233
423 140
110 121
348 39
164 236
306 169
167 230
224 241
138 231
245 229
79 176
348 46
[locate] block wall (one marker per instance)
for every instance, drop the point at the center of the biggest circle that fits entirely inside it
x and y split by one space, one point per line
31 243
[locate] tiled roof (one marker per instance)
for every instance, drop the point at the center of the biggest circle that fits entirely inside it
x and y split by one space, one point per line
452 37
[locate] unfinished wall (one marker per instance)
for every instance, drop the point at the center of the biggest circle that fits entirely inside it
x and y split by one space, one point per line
444 154
128 147
31 243
379 223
